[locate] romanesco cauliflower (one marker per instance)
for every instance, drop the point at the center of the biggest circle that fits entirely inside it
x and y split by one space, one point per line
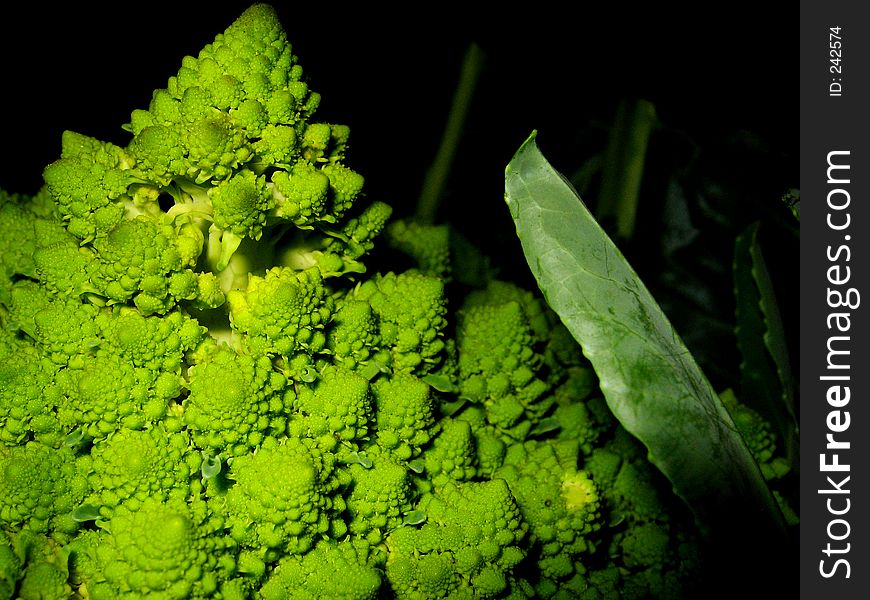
210 389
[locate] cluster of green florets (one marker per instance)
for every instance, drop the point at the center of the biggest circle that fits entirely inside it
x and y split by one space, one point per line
205 393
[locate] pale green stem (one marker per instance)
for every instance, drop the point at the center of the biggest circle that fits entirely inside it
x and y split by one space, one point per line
436 176
623 166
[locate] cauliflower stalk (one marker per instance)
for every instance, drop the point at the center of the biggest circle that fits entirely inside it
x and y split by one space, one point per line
206 392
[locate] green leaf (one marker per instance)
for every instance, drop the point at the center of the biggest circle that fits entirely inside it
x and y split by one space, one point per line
76 439
417 466
415 517
651 382
85 513
440 383
766 377
360 458
211 466
545 425
792 200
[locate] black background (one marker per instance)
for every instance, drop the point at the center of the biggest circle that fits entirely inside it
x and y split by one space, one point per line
389 74
716 72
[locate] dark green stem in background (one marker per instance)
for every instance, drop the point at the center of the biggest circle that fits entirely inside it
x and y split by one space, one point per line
436 175
623 166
